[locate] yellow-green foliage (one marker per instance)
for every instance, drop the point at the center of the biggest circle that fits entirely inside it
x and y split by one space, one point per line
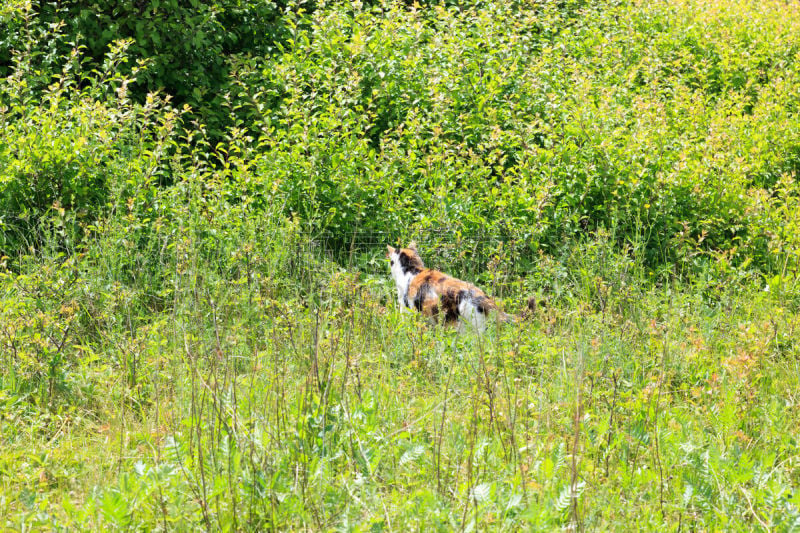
614 404
193 337
542 120
70 152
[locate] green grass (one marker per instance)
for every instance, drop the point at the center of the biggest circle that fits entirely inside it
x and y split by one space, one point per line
646 405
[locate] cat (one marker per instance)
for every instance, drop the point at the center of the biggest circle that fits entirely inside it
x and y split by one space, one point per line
434 293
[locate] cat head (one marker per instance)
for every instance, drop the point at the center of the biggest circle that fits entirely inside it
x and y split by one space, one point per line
404 260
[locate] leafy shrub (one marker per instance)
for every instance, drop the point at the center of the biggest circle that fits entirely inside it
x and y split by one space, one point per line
663 121
67 152
188 45
668 123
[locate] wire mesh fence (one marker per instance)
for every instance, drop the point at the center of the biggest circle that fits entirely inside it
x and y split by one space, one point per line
462 254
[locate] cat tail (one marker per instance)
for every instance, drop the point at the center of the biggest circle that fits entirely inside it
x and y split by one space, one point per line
502 316
531 305
506 318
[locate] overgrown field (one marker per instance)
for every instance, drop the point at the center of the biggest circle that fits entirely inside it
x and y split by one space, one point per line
197 325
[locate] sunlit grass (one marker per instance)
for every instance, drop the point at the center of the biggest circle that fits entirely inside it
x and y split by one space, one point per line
668 406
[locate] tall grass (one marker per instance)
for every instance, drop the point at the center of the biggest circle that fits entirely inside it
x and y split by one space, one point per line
246 406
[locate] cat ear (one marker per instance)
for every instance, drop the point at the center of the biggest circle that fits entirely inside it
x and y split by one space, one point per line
412 246
389 250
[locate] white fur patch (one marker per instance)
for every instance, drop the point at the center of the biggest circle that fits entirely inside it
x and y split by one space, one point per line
402 280
470 316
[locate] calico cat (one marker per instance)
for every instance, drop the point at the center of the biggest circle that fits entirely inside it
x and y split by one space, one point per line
434 293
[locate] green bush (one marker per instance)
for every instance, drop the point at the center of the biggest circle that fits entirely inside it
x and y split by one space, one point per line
542 123
187 44
69 154
666 122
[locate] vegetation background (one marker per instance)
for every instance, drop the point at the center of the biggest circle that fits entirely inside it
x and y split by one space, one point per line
198 330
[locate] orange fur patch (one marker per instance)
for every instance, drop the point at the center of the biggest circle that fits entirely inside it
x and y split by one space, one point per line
433 292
